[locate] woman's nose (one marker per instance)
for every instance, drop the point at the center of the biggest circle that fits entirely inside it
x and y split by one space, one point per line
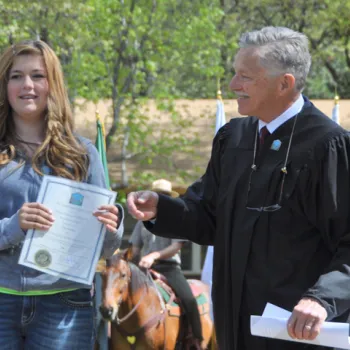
28 82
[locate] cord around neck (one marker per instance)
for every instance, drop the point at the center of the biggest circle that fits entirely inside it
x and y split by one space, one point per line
284 168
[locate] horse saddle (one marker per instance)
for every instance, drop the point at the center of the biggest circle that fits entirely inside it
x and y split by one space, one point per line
173 302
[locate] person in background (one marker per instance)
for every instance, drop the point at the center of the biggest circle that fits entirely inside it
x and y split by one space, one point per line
38 310
163 255
274 201
207 274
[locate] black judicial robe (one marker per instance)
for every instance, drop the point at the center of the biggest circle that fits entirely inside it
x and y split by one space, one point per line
303 249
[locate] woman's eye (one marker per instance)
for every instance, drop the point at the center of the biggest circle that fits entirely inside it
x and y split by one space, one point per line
123 275
14 76
38 76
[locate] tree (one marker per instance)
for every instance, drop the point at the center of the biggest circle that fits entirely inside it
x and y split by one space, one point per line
55 22
142 46
325 23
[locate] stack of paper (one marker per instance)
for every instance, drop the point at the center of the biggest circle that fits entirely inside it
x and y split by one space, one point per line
273 324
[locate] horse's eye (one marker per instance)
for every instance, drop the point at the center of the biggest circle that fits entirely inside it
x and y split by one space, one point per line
123 275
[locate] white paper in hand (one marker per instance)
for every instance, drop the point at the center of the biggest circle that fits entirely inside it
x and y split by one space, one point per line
273 324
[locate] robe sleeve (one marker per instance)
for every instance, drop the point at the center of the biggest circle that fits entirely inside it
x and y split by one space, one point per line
327 205
193 217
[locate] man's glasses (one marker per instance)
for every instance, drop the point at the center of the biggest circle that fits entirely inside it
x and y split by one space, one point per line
269 208
277 206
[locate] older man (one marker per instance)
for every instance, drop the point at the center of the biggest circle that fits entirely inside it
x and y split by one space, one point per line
274 201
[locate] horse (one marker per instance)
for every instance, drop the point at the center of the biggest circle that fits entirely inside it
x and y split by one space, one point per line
144 312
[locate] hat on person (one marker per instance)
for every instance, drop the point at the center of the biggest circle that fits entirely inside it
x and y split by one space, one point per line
164 186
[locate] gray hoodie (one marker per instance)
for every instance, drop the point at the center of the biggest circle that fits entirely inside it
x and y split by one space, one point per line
18 185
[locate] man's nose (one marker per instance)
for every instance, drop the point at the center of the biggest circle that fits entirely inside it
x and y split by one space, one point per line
234 84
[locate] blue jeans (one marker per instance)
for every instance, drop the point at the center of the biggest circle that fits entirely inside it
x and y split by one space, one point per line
51 322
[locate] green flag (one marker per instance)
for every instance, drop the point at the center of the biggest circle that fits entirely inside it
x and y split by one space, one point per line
101 147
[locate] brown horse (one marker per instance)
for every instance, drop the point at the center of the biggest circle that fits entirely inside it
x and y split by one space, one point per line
144 313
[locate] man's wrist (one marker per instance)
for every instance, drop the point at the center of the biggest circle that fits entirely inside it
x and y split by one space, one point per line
156 255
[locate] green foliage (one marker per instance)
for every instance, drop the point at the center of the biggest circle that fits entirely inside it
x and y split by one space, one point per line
326 23
173 48
56 22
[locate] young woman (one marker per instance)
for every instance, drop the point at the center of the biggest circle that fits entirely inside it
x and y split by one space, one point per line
40 311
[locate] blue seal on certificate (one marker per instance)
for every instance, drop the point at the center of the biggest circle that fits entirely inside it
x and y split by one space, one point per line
76 199
42 258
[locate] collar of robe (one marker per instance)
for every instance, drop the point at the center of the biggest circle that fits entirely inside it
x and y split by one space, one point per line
284 168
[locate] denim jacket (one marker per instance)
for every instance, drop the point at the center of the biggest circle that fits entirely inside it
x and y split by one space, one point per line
20 184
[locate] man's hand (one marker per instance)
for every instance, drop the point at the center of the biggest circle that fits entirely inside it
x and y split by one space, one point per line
306 319
148 260
142 205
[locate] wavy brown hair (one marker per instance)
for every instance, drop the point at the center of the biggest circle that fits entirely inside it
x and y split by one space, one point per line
60 150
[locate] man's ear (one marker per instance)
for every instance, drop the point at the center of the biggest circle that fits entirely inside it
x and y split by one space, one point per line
287 83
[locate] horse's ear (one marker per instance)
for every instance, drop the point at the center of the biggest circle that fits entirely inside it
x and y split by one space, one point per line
101 265
128 254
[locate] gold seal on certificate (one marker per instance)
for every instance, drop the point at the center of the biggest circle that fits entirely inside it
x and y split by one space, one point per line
42 258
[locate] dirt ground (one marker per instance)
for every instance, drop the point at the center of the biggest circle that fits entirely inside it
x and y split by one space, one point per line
202 112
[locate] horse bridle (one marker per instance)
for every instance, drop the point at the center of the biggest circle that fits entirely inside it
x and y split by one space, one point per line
149 323
121 320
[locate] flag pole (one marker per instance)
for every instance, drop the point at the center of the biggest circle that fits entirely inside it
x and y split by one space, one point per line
101 146
220 111
218 94
98 120
335 111
102 327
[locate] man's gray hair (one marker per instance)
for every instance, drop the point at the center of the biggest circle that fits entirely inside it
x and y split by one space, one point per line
281 50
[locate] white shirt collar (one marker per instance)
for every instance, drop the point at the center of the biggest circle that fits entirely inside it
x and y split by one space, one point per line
293 110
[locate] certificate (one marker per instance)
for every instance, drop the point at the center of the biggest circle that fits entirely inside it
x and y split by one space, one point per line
72 246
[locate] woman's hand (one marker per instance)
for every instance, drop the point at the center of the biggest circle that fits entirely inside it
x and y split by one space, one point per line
108 215
35 215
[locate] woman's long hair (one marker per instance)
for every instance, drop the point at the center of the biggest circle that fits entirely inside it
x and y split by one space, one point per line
60 150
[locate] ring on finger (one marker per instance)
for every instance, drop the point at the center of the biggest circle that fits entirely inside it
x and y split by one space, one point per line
309 325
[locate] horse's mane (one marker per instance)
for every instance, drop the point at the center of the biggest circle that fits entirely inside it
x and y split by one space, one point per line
139 278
